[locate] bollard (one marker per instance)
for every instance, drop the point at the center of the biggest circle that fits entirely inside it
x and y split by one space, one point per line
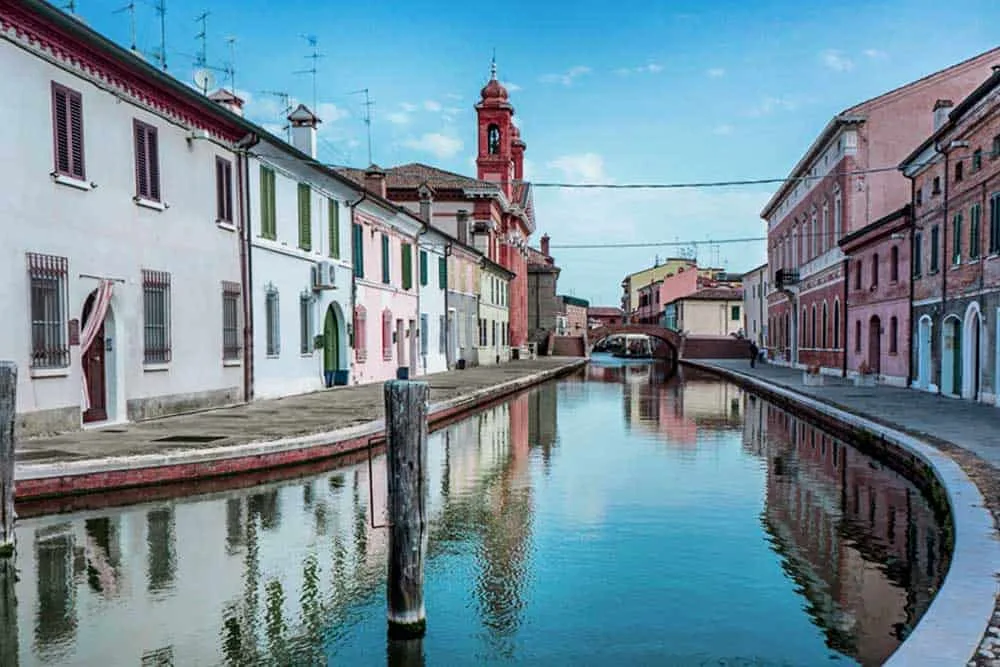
406 462
8 613
8 403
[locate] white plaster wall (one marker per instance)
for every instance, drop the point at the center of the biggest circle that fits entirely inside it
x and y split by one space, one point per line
432 303
104 233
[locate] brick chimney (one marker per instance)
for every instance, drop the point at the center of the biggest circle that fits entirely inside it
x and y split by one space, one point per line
941 110
462 222
375 180
426 202
304 123
231 101
545 245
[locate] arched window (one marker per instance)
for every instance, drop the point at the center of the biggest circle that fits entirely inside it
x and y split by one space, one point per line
857 335
493 139
836 325
812 328
804 329
826 324
893 334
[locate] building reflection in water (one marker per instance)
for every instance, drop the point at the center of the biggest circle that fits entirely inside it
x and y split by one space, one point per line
8 614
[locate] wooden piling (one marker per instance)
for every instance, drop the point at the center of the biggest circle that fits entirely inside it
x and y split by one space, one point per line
406 461
8 404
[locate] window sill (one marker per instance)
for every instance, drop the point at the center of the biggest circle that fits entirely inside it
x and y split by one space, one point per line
228 363
149 203
50 372
306 355
155 367
223 224
274 356
77 183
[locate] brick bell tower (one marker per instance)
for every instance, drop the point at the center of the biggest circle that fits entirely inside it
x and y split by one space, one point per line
496 134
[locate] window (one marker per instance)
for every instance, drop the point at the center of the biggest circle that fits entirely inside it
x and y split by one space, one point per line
49 342
936 186
423 334
959 171
231 339
995 223
407 264
875 270
918 254
857 274
360 333
442 334
825 241
935 247
919 196
333 223
812 327
67 131
305 216
482 332
977 160
894 264
423 268
837 217
493 139
305 324
386 335
826 325
814 241
442 272
147 162
857 335
385 259
893 334
156 316
996 147
268 209
975 220
358 250
803 336
734 313
223 190
956 239
272 316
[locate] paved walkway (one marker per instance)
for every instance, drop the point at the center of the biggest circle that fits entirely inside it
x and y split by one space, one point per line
264 420
972 426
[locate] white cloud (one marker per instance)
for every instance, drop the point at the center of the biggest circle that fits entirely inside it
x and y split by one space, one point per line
453 96
771 104
875 54
723 129
836 60
580 167
649 68
511 86
408 106
330 113
567 77
398 117
431 105
716 72
439 145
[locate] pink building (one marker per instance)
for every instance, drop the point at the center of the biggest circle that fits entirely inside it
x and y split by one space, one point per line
680 283
385 328
649 308
878 298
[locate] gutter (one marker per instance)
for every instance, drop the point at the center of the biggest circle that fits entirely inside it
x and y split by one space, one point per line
913 251
842 334
246 261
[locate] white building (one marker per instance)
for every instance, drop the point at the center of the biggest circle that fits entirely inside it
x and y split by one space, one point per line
120 266
755 305
494 314
432 294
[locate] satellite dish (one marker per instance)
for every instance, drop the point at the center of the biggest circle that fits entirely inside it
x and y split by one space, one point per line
204 80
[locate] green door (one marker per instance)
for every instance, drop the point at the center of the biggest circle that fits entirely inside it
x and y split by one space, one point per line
331 343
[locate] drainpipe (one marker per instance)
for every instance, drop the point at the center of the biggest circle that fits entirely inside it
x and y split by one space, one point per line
420 331
842 334
913 251
447 320
944 263
354 272
246 261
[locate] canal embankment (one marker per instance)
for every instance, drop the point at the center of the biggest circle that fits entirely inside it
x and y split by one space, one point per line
942 443
253 437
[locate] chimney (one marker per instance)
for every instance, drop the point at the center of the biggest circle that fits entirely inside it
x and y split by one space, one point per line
545 245
304 123
231 101
375 180
941 110
426 202
462 221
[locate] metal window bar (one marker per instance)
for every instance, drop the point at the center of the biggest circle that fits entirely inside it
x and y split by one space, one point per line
156 308
305 323
231 343
47 277
271 313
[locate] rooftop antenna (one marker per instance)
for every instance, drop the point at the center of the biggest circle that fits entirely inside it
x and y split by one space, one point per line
368 119
314 56
71 6
161 10
202 58
231 67
286 108
130 8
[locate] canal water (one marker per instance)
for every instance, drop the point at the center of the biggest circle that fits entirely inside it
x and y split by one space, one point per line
616 517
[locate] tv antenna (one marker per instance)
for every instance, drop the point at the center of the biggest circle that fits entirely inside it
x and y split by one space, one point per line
204 79
130 8
161 10
314 56
71 6
368 104
202 58
286 108
231 67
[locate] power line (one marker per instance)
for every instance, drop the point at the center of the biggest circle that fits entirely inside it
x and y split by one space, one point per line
660 244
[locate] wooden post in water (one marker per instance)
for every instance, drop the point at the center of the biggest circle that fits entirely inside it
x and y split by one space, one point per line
8 404
406 461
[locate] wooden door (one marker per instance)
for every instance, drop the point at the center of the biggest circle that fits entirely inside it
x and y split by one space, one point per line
93 369
875 345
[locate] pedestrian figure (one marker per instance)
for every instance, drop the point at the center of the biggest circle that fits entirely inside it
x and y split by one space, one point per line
754 351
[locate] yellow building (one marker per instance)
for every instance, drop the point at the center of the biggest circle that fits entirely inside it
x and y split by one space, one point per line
633 282
493 343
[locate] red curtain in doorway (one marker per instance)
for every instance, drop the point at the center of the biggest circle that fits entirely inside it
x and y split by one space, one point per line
97 313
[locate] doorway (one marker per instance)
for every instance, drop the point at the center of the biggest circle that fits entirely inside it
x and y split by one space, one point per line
875 344
331 347
951 357
95 362
924 352
412 332
971 359
400 344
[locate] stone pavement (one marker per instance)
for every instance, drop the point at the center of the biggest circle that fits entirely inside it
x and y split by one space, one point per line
264 420
972 426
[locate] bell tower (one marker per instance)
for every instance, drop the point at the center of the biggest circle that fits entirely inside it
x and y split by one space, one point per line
495 115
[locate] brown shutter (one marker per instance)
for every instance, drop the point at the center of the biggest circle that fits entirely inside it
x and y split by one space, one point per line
60 138
76 134
141 170
228 189
220 195
154 163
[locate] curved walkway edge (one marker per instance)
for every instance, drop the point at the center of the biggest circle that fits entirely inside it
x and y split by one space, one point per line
952 629
72 477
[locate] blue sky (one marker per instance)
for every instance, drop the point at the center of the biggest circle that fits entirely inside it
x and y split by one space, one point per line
623 92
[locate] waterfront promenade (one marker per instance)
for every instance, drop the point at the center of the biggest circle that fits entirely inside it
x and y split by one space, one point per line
254 436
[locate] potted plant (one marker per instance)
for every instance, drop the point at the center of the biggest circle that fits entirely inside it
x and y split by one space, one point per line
811 376
865 376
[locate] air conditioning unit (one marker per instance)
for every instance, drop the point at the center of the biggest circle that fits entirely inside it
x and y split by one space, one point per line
324 276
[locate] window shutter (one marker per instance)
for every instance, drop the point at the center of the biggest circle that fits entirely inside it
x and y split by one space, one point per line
386 335
358 250
385 259
76 134
442 272
60 139
423 334
141 169
227 186
220 194
153 161
305 217
407 252
334 217
423 267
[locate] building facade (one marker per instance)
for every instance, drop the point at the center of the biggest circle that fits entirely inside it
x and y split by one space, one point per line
463 305
121 239
494 315
755 305
878 299
544 305
956 250
633 282
712 311
830 194
433 291
575 310
604 316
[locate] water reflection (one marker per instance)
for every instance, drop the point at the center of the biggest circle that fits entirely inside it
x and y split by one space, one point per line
557 520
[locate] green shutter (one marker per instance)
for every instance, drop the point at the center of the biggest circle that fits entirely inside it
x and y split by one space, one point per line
423 267
358 250
407 266
442 272
305 217
385 259
334 217
268 226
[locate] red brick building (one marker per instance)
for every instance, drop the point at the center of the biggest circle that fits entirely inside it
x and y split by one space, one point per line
955 176
834 190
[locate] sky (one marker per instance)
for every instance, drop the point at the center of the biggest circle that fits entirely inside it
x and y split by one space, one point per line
634 91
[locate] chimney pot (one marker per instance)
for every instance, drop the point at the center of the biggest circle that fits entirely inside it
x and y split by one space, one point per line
375 181
545 245
304 123
941 110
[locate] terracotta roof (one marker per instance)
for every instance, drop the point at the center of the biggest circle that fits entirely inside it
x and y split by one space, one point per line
715 294
415 174
605 311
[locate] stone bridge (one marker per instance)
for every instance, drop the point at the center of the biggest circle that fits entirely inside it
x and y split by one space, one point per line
671 338
678 346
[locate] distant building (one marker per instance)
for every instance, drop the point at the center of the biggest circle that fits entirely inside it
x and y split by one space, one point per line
755 305
712 311
575 310
494 313
603 316
544 306
633 282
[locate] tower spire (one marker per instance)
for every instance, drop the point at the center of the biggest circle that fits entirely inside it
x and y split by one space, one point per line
493 66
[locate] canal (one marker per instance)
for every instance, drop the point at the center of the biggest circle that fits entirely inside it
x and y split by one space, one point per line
614 517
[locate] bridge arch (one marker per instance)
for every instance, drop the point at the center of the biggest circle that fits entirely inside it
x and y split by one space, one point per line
670 337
